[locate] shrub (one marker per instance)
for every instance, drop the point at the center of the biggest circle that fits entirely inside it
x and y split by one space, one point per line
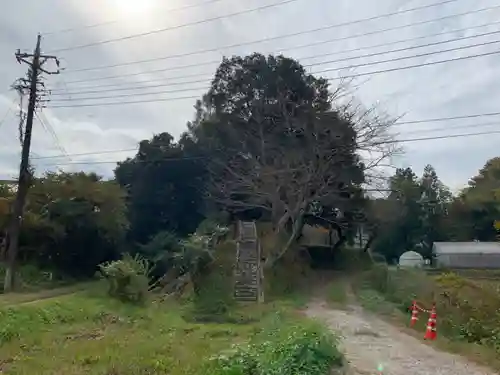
128 278
299 349
472 311
214 297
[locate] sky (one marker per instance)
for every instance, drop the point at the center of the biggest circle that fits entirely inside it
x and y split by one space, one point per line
437 90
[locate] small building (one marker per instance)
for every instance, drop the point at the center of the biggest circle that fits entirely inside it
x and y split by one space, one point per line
475 255
411 259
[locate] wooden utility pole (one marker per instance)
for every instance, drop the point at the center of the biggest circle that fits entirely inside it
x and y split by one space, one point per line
35 61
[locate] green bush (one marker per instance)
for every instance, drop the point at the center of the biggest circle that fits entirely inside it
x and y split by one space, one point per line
299 349
128 278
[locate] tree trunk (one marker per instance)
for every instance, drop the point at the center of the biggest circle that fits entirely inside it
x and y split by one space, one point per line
296 230
369 242
9 279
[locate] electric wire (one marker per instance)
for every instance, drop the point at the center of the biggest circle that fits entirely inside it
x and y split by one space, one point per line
181 26
317 72
305 32
425 54
400 123
212 62
107 23
407 140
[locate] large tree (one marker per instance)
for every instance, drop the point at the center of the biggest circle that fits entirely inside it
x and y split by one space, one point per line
402 230
164 182
435 201
278 143
413 216
477 207
72 222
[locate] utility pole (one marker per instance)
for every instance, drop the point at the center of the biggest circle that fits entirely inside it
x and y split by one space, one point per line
33 84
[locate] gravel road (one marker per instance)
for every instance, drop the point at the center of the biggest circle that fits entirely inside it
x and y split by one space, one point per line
369 342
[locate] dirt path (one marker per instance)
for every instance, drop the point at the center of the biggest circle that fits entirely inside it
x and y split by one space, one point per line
16 299
369 342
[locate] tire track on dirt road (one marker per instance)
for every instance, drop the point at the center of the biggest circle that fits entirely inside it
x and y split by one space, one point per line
369 342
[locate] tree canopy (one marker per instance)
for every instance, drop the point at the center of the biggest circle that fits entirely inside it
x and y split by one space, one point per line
268 141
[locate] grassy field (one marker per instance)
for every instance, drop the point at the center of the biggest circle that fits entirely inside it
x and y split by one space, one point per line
84 333
14 299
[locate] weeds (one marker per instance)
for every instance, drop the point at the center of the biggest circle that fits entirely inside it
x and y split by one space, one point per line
23 321
94 334
128 278
337 294
294 350
468 311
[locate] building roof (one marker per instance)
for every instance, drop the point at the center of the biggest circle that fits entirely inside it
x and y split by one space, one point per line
466 248
411 255
411 258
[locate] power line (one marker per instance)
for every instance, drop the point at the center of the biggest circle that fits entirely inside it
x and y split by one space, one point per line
408 57
432 130
421 139
7 113
445 137
304 65
477 115
440 119
121 103
106 23
321 71
177 27
124 95
206 63
142 87
414 66
87 153
323 28
50 129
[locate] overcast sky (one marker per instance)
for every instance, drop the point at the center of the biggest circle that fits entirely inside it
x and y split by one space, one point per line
458 88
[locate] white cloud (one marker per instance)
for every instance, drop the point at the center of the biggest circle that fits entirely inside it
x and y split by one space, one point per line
441 90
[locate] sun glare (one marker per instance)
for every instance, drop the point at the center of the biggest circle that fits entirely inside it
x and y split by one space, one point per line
128 8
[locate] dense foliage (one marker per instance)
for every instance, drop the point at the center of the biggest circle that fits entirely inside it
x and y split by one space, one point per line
268 141
420 211
298 349
72 222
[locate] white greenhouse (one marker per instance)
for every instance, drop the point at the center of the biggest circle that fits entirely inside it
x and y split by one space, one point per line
478 255
411 259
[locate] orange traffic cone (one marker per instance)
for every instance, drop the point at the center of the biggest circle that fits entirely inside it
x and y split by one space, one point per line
431 333
414 314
